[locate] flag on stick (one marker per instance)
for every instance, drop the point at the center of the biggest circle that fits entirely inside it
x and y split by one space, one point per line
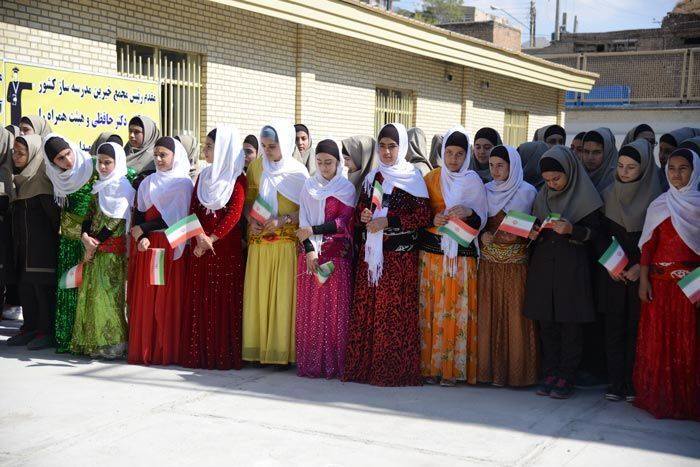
72 278
518 223
459 231
183 230
614 259
157 266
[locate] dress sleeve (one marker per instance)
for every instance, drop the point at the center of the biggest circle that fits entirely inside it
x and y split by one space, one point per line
587 230
413 215
234 210
649 248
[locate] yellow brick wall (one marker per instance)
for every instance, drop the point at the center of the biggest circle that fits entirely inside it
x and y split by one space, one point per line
257 68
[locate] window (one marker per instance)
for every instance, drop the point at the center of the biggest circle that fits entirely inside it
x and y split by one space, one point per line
515 127
179 75
394 106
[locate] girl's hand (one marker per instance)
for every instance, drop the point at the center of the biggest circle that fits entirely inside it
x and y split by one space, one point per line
377 225
205 243
460 211
256 227
645 292
311 262
272 224
487 238
632 274
440 219
136 232
143 244
89 254
614 277
304 233
198 252
88 242
534 233
562 227
365 216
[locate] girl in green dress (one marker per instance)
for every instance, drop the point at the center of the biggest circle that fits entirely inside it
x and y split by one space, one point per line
100 326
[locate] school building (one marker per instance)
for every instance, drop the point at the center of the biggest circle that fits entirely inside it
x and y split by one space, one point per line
342 67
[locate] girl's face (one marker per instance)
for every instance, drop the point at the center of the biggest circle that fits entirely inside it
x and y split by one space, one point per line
209 150
665 150
135 136
105 164
250 153
592 155
163 158
679 171
500 169
272 149
454 158
577 147
554 140
628 169
388 151
20 155
482 150
65 159
302 141
327 165
350 164
555 180
26 129
649 136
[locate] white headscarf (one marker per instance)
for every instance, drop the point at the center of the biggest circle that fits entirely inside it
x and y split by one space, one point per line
513 193
461 188
317 190
403 175
67 182
287 175
682 206
170 191
115 194
216 182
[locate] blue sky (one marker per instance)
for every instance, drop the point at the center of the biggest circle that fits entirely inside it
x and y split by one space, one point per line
593 15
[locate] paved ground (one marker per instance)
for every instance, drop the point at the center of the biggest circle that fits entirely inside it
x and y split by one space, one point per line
58 410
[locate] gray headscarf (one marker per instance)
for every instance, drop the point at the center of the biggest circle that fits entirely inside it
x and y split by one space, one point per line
417 150
632 134
692 143
435 158
530 154
192 148
7 140
681 134
32 180
141 159
627 203
604 175
362 152
579 197
100 140
40 124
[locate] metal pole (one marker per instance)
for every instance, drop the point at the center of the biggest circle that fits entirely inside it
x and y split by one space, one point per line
575 24
533 17
556 23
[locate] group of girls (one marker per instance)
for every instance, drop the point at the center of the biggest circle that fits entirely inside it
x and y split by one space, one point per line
373 261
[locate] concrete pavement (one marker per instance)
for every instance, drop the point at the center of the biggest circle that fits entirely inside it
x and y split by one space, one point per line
58 410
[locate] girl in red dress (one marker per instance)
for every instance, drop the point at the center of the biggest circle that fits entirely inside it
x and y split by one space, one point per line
667 368
211 324
155 311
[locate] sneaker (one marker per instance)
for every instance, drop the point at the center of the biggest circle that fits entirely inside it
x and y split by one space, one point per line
630 395
547 386
447 383
41 341
12 313
614 393
431 380
23 338
563 390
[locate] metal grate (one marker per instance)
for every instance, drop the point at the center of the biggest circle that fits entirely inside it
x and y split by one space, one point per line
179 75
394 106
515 127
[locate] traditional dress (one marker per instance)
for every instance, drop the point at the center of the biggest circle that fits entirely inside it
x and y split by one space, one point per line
625 209
155 311
667 368
35 224
100 328
384 335
73 192
323 309
558 290
507 339
447 270
212 320
269 294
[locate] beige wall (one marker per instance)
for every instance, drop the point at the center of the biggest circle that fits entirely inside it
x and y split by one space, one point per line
257 68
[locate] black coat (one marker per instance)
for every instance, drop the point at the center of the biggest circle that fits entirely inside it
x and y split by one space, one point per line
559 283
7 274
35 226
615 297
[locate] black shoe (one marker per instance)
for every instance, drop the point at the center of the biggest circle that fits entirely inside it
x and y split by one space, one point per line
547 385
614 393
587 380
23 338
630 394
562 390
41 341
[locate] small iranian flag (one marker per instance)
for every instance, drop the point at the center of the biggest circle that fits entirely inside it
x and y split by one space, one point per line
324 271
72 278
690 285
549 221
518 223
459 231
183 230
157 266
261 210
377 195
614 258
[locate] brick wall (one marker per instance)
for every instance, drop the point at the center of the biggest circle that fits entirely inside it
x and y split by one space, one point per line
256 68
